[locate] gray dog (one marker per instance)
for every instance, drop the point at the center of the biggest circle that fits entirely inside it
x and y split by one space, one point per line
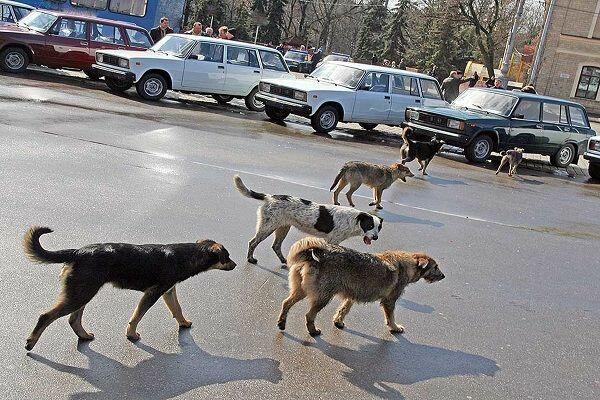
513 158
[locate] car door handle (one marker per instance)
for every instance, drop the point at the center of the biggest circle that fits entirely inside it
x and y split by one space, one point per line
386 97
83 43
221 66
257 72
539 126
417 100
567 129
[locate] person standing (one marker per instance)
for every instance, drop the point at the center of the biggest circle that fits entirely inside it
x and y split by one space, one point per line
402 64
316 58
498 84
224 33
209 32
474 79
162 30
196 29
490 82
451 85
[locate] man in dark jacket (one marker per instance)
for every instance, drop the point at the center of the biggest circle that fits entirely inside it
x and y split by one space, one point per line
451 85
162 30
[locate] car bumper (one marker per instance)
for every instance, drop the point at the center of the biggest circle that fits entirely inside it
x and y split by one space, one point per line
114 73
592 157
455 139
295 108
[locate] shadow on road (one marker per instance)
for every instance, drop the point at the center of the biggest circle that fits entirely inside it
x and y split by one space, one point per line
164 375
379 363
392 217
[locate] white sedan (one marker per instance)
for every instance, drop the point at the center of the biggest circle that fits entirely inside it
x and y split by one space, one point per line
592 154
349 92
193 64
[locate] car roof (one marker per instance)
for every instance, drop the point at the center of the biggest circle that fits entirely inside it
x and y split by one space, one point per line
90 18
17 4
297 51
531 96
387 70
225 41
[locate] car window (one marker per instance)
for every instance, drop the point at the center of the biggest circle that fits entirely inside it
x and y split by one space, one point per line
430 89
578 117
272 60
138 38
529 109
242 57
129 7
405 85
106 34
21 12
210 52
551 113
377 82
564 119
71 28
6 14
95 4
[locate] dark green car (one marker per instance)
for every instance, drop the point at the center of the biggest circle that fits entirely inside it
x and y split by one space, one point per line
486 120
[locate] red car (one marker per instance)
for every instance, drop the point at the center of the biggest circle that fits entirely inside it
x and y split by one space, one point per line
60 40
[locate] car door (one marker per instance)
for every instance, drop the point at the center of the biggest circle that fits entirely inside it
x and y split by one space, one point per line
273 65
67 44
138 39
405 93
556 128
372 102
105 37
525 126
243 70
431 93
204 70
580 128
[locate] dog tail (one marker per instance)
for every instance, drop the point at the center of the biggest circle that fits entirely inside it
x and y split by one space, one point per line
35 252
245 191
502 153
307 250
338 177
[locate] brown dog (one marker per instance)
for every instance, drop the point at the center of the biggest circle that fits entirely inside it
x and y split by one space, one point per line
378 177
319 271
513 158
154 269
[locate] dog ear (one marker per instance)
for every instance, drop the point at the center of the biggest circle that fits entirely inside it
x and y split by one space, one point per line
422 261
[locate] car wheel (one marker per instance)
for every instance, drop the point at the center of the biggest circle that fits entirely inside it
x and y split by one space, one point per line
480 149
117 85
14 59
368 127
325 119
152 87
276 114
92 75
594 170
564 156
253 103
222 99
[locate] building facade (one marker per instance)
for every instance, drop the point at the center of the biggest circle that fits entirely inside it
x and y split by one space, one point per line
570 64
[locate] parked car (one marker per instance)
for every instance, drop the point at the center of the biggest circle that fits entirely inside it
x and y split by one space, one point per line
349 92
297 60
194 64
593 156
485 120
59 40
335 57
11 11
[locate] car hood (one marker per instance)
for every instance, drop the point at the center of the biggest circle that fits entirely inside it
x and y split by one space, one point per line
458 113
148 54
307 84
6 27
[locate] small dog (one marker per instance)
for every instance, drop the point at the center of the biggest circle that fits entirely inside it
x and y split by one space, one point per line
154 269
319 271
422 151
333 223
513 158
378 177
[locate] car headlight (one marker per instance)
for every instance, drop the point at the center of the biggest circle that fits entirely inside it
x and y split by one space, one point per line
99 57
455 124
123 63
265 87
411 114
299 95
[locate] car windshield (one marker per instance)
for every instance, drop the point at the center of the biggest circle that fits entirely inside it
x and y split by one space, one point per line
494 101
336 57
38 21
339 74
174 45
295 56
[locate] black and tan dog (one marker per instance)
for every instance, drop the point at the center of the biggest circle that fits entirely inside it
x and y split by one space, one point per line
513 158
378 177
154 269
319 271
422 151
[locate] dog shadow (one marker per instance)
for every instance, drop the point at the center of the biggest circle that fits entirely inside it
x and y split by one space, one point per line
392 217
164 375
379 363
416 307
437 181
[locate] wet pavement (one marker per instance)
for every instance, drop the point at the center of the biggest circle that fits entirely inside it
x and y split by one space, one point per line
516 317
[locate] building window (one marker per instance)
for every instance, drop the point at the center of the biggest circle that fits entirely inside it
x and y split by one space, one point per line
129 7
589 81
95 4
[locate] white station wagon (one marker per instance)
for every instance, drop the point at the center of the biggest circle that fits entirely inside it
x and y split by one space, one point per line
193 64
349 92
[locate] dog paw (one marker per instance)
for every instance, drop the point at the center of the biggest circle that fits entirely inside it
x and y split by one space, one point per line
87 336
338 324
336 203
30 344
185 324
425 173
372 203
314 333
397 329
252 260
351 204
379 207
281 325
134 337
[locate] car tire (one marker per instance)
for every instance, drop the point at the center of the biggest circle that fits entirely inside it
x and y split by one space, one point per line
92 75
222 99
480 149
325 119
276 114
14 59
594 170
368 127
151 87
252 103
117 85
564 156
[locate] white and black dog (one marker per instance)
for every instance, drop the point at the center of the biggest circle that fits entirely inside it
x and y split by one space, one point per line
332 223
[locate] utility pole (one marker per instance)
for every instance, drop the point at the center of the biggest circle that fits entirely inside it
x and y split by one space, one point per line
510 45
541 45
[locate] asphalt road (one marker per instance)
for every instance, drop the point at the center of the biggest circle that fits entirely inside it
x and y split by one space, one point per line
516 317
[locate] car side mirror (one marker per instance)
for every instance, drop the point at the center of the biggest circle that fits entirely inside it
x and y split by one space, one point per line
518 116
193 57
